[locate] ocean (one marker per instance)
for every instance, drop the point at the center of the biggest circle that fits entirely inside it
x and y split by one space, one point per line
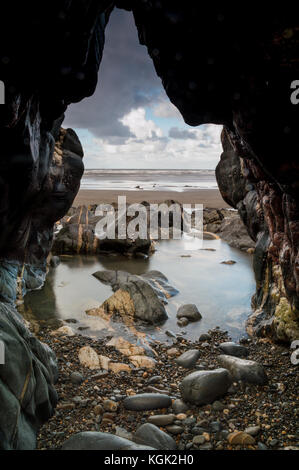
151 180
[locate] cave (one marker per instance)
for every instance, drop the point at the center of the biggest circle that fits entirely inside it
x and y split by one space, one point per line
215 68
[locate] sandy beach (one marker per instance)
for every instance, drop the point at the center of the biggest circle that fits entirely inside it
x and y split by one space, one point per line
210 198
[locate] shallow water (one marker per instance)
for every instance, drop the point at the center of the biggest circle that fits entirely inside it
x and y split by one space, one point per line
221 292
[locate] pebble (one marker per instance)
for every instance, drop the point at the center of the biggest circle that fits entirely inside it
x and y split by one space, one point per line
76 378
188 359
253 430
147 401
175 429
233 349
179 406
162 420
203 387
149 434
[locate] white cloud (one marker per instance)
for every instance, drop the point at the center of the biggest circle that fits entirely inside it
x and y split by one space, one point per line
139 126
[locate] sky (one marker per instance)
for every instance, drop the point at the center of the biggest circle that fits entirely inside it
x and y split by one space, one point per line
129 122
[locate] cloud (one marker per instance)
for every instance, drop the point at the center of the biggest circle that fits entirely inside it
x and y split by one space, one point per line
139 126
176 133
127 80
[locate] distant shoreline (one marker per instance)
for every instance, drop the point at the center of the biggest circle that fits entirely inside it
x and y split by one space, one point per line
210 198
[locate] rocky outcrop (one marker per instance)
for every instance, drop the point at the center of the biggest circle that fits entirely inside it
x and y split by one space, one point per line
136 298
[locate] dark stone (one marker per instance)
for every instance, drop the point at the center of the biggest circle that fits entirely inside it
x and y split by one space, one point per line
89 440
204 387
188 359
151 435
147 401
244 370
233 349
189 311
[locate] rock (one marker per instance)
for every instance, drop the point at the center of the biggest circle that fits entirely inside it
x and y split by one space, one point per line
162 420
121 432
183 322
204 337
54 261
218 406
262 446
233 349
189 311
230 261
147 401
76 378
63 331
233 231
30 371
197 440
118 367
204 387
143 362
188 359
240 438
179 406
172 352
98 410
155 379
89 440
125 347
89 358
253 430
110 405
104 362
244 370
151 435
175 429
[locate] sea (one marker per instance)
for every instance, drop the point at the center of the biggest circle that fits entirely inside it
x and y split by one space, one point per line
151 180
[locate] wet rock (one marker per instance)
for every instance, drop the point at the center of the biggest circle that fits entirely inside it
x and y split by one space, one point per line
204 387
188 359
233 231
229 262
89 440
189 311
175 429
151 435
204 337
233 349
147 401
244 370
63 331
183 322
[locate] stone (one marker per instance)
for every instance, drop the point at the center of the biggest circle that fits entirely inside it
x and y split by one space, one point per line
188 359
143 362
229 262
179 406
203 387
233 349
204 337
183 322
197 440
175 429
253 430
172 352
118 367
89 440
89 358
151 435
63 331
162 420
76 378
121 432
110 405
244 370
240 438
189 311
147 401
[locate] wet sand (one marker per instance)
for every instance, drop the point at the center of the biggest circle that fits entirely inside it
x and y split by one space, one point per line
207 197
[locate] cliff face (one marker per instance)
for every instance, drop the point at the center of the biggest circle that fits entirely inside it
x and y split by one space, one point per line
226 65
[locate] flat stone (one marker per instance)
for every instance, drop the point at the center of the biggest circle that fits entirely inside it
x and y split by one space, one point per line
89 358
253 430
147 401
244 370
234 349
189 311
162 420
203 387
188 359
151 435
175 429
89 440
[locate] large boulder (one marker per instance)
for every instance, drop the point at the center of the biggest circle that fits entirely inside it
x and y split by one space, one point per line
27 377
203 387
244 370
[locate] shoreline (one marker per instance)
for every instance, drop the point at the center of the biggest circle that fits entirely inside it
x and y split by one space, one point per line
210 198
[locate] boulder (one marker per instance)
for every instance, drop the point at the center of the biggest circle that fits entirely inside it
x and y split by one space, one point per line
150 435
233 349
89 440
203 387
244 370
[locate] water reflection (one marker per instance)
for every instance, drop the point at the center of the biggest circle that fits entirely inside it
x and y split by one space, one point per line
221 292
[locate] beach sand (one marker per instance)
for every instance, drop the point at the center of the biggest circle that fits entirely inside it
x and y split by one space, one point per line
210 198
